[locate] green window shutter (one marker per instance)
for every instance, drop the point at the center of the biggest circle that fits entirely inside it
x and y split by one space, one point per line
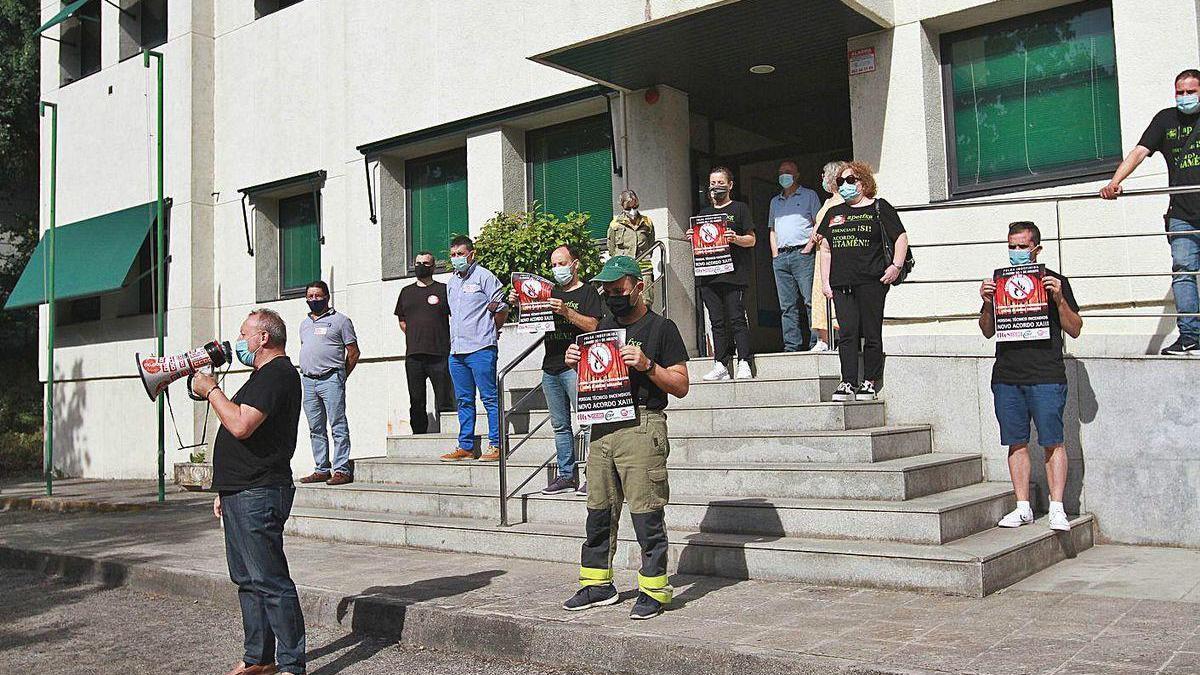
299 241
571 170
1034 99
437 202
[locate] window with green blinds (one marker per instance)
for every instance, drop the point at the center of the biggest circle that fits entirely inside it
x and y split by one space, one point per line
1032 100
299 241
570 169
437 202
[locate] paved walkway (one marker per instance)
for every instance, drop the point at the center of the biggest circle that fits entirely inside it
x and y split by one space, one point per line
1111 610
86 494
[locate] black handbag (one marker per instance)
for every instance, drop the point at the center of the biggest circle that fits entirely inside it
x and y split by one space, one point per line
889 249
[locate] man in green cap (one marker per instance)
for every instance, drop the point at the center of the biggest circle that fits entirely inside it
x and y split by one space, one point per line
628 460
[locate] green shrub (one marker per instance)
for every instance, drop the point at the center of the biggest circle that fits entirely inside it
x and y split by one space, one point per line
20 453
523 242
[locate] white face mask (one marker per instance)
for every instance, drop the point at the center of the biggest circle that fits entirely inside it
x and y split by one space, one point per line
633 213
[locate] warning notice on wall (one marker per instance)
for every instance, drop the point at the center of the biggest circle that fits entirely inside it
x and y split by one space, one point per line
710 249
1021 306
862 60
605 394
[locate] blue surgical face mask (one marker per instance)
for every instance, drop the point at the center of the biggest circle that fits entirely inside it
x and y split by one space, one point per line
1188 104
786 180
848 192
459 262
1018 256
563 275
242 349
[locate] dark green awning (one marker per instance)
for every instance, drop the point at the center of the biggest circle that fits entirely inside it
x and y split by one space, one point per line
65 13
92 257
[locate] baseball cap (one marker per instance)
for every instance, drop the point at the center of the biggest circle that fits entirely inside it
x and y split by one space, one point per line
618 266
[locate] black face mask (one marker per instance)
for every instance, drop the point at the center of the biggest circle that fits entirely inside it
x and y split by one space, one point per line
718 193
424 270
318 306
619 305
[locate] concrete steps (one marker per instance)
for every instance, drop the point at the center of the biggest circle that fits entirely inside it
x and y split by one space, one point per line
895 479
768 481
974 566
723 420
868 444
935 519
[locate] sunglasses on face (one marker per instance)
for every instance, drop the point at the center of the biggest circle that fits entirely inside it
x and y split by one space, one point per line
852 180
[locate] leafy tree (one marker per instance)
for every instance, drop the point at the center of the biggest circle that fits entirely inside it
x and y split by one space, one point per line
523 242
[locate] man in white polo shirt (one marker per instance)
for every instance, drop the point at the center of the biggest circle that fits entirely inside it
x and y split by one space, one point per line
328 354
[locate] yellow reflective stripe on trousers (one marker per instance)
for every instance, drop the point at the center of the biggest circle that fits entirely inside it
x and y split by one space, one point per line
656 587
594 576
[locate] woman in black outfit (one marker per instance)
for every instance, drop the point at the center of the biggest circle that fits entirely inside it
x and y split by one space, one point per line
724 294
856 273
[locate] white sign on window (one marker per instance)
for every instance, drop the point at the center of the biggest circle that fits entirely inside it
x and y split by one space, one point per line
862 61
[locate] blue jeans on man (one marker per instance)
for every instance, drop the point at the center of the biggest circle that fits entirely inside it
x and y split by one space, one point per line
472 372
1185 257
1019 404
325 403
793 283
271 616
561 391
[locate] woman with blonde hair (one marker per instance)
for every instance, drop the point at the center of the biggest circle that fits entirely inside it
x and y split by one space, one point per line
631 233
856 272
819 320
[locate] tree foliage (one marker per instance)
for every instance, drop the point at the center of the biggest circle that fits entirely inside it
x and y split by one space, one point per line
523 242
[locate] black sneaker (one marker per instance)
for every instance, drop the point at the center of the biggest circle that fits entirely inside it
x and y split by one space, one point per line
581 490
1182 347
592 596
844 392
560 485
866 391
646 607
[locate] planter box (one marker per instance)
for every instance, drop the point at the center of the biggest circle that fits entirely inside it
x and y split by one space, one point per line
193 476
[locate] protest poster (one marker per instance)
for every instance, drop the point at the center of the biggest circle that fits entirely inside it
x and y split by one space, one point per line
1020 303
533 300
604 391
710 250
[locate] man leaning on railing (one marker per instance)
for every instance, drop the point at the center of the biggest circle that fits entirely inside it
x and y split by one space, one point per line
1175 133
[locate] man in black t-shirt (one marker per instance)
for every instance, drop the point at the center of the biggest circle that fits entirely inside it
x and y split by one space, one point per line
424 317
1029 383
1175 133
724 295
577 310
252 476
628 460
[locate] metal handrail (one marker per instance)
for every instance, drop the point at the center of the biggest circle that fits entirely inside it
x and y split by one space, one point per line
659 245
1056 199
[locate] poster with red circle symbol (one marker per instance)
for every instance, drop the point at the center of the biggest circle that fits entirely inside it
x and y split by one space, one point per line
533 300
1020 303
604 391
710 248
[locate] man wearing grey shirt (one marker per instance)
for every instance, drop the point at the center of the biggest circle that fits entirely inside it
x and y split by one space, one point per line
792 217
477 310
328 354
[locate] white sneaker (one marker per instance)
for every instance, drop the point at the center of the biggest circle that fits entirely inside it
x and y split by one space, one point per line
1059 521
743 371
718 372
1016 518
820 347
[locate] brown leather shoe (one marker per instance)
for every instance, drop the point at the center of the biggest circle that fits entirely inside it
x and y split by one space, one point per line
340 478
493 455
458 455
315 477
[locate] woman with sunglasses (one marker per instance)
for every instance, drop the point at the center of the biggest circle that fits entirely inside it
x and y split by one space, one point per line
856 273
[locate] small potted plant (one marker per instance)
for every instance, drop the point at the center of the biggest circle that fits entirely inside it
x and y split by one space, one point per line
196 473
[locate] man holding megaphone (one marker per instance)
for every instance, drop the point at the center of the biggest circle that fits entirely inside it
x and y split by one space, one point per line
252 475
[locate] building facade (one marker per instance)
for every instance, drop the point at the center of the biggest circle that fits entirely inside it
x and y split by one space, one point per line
333 139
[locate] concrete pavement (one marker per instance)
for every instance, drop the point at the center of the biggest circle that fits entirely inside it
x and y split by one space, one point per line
1110 610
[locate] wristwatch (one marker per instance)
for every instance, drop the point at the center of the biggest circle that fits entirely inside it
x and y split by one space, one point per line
651 368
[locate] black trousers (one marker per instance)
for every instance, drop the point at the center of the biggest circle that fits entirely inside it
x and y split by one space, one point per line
860 317
418 367
727 310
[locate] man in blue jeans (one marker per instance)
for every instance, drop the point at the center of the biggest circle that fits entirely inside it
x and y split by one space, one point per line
477 311
328 354
252 476
1175 133
1029 383
793 214
577 310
